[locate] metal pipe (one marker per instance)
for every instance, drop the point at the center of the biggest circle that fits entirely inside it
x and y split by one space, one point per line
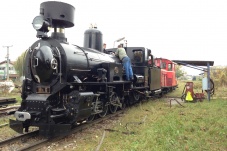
208 80
59 54
191 66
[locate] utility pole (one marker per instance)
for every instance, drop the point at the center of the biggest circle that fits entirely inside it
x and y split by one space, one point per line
7 57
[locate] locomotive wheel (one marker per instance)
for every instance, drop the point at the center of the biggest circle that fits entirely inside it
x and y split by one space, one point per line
136 96
105 110
113 108
90 118
127 102
123 105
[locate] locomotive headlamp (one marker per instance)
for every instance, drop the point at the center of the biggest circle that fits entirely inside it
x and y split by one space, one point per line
40 24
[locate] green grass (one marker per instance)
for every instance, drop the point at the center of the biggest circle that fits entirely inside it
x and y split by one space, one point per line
197 126
178 91
200 126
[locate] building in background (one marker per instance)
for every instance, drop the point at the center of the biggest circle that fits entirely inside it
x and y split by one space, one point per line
12 72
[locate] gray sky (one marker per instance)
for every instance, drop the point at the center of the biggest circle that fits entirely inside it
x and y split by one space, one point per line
173 29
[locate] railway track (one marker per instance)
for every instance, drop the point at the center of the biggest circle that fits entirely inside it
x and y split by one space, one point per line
23 140
8 110
6 101
19 137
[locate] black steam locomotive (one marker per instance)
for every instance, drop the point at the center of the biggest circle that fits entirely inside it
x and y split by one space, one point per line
66 84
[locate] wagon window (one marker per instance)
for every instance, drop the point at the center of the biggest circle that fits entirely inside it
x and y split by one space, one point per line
169 67
163 65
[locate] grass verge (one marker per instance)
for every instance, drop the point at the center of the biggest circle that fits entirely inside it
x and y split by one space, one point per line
155 126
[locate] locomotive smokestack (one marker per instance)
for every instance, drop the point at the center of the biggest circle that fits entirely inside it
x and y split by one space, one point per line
60 15
57 15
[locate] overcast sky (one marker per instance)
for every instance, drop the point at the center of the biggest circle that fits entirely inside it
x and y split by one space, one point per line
173 29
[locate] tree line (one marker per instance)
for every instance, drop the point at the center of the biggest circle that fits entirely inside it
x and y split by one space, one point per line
219 76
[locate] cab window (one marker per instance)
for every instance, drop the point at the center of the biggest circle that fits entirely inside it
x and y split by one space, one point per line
138 56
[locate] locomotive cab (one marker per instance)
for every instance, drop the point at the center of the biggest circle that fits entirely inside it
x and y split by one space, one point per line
146 74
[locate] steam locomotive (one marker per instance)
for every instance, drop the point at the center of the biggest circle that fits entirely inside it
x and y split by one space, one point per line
66 84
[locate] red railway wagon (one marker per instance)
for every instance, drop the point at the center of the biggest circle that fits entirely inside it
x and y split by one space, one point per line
168 74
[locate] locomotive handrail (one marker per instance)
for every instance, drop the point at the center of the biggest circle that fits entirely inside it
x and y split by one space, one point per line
60 74
80 70
88 65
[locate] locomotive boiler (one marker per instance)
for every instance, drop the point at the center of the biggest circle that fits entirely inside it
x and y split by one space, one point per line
66 84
